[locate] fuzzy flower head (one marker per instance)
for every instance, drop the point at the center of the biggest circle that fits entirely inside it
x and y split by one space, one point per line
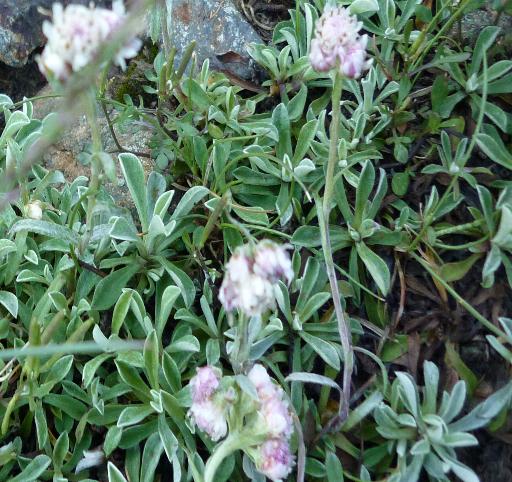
251 274
208 409
273 408
75 35
205 383
337 43
209 417
275 460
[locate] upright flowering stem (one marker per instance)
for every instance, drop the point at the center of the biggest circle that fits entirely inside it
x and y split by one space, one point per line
323 217
94 183
240 355
234 441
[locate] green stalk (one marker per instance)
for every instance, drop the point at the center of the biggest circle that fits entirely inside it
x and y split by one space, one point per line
94 184
323 213
482 319
234 441
241 348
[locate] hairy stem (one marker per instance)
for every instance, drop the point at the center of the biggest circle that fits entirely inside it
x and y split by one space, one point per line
323 219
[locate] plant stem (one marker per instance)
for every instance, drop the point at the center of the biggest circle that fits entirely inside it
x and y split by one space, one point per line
323 212
241 348
482 319
333 146
234 441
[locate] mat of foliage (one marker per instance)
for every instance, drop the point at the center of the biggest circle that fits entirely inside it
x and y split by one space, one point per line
422 238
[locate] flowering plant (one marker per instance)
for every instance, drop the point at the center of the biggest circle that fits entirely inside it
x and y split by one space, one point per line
260 426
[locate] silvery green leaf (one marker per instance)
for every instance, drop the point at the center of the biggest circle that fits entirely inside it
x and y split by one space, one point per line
7 246
189 200
463 472
10 302
452 406
123 230
114 474
46 228
459 439
409 392
187 343
133 414
422 447
304 168
133 173
162 204
431 376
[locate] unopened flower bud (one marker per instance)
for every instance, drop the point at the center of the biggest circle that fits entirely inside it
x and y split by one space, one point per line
34 210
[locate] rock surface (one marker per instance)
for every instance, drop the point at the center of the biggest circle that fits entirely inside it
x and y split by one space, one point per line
64 155
20 27
216 25
219 29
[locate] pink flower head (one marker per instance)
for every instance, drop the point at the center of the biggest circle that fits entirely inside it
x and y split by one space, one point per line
275 460
210 418
204 383
273 409
251 274
337 43
276 415
271 261
75 35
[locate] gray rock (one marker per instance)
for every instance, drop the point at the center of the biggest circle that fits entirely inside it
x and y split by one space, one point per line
20 27
222 34
473 22
216 25
64 154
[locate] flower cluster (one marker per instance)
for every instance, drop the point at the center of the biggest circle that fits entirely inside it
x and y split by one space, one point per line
76 34
207 410
273 457
337 43
251 274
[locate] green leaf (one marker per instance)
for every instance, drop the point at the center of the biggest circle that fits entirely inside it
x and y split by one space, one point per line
33 470
10 302
121 310
109 289
133 172
133 414
494 149
376 266
114 474
46 228
458 269
123 230
189 200
151 457
169 441
151 359
333 468
169 297
326 350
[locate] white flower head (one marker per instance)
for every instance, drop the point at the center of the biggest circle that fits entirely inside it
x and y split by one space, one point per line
75 35
251 275
275 459
208 410
337 43
209 416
